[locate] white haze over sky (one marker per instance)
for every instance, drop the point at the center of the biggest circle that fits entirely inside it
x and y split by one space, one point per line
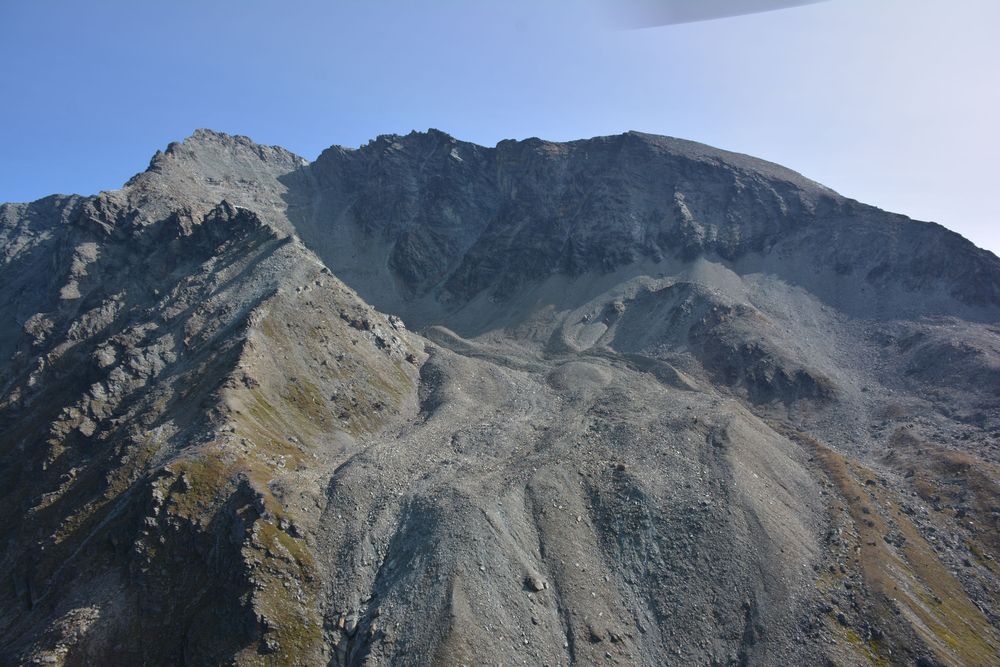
892 102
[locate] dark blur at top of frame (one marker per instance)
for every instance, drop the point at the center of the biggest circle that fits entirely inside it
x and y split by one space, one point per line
651 13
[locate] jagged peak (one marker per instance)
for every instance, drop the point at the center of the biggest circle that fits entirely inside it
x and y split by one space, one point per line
431 134
204 136
209 144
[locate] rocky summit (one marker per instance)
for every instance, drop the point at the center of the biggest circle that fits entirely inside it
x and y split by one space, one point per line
629 400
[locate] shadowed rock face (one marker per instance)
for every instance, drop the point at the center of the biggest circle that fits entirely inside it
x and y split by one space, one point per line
653 403
457 221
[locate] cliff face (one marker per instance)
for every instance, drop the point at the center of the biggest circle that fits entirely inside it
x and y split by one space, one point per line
458 220
653 402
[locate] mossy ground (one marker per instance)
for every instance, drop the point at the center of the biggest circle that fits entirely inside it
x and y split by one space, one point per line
280 566
910 578
303 394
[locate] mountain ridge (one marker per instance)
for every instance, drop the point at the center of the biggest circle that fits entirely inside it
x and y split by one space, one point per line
648 405
202 133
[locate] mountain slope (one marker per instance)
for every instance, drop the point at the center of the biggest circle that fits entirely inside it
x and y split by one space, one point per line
667 404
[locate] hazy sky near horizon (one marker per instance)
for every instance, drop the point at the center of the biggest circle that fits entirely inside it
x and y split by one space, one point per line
892 102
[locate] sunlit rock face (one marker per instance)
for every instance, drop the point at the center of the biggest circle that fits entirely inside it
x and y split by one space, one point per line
628 399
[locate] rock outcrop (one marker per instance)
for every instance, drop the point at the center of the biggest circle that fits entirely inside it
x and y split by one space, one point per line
630 399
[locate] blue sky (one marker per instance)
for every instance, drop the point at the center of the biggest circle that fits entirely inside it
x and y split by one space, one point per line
893 102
